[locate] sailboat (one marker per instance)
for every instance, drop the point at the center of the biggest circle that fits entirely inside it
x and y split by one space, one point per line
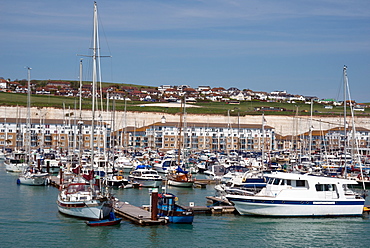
85 197
179 177
31 175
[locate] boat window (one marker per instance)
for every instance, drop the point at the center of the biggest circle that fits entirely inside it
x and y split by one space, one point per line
288 182
300 183
277 181
325 187
270 181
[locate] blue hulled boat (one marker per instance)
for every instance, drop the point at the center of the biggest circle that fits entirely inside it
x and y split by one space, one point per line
167 207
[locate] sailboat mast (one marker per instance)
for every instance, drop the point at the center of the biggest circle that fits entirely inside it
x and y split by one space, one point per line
263 138
94 79
80 107
28 126
345 118
310 133
179 138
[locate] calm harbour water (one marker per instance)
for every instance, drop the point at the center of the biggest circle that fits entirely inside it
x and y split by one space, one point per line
30 218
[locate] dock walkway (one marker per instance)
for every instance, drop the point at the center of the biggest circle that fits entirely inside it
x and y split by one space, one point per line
137 214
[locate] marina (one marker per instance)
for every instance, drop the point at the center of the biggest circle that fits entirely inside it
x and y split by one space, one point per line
29 214
91 182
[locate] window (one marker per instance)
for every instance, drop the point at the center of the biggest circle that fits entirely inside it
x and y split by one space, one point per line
300 183
325 187
277 181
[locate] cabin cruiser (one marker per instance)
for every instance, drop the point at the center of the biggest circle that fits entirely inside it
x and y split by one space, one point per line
289 194
165 165
145 176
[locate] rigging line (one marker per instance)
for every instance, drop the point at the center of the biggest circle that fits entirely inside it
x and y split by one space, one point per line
107 44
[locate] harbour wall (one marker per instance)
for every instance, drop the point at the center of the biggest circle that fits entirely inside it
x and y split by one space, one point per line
283 125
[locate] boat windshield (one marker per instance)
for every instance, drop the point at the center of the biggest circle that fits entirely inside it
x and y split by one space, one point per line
149 172
78 188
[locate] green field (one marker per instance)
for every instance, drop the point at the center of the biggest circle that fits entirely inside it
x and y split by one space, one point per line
244 108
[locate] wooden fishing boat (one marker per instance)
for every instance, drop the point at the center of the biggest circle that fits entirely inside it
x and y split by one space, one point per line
116 221
175 213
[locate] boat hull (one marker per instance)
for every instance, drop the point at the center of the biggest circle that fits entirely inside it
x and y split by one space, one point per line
180 183
32 181
181 219
108 222
296 208
92 210
153 183
15 167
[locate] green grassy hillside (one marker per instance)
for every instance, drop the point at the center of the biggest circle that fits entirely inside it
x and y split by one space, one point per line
244 108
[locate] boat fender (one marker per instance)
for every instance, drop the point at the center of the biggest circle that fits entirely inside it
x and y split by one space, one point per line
18 181
47 182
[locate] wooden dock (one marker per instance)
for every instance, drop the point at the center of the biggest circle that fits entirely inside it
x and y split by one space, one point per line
218 201
54 181
213 210
137 215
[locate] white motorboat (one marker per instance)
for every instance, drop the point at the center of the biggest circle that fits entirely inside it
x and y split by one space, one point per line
124 164
15 165
34 177
288 194
165 165
51 165
117 181
215 171
145 177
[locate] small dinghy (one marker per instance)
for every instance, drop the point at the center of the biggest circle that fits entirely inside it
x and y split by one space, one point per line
113 220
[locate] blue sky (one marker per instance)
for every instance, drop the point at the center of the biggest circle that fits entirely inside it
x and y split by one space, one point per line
298 46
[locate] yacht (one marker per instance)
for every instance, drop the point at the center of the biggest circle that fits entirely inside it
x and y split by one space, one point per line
84 200
289 194
145 176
